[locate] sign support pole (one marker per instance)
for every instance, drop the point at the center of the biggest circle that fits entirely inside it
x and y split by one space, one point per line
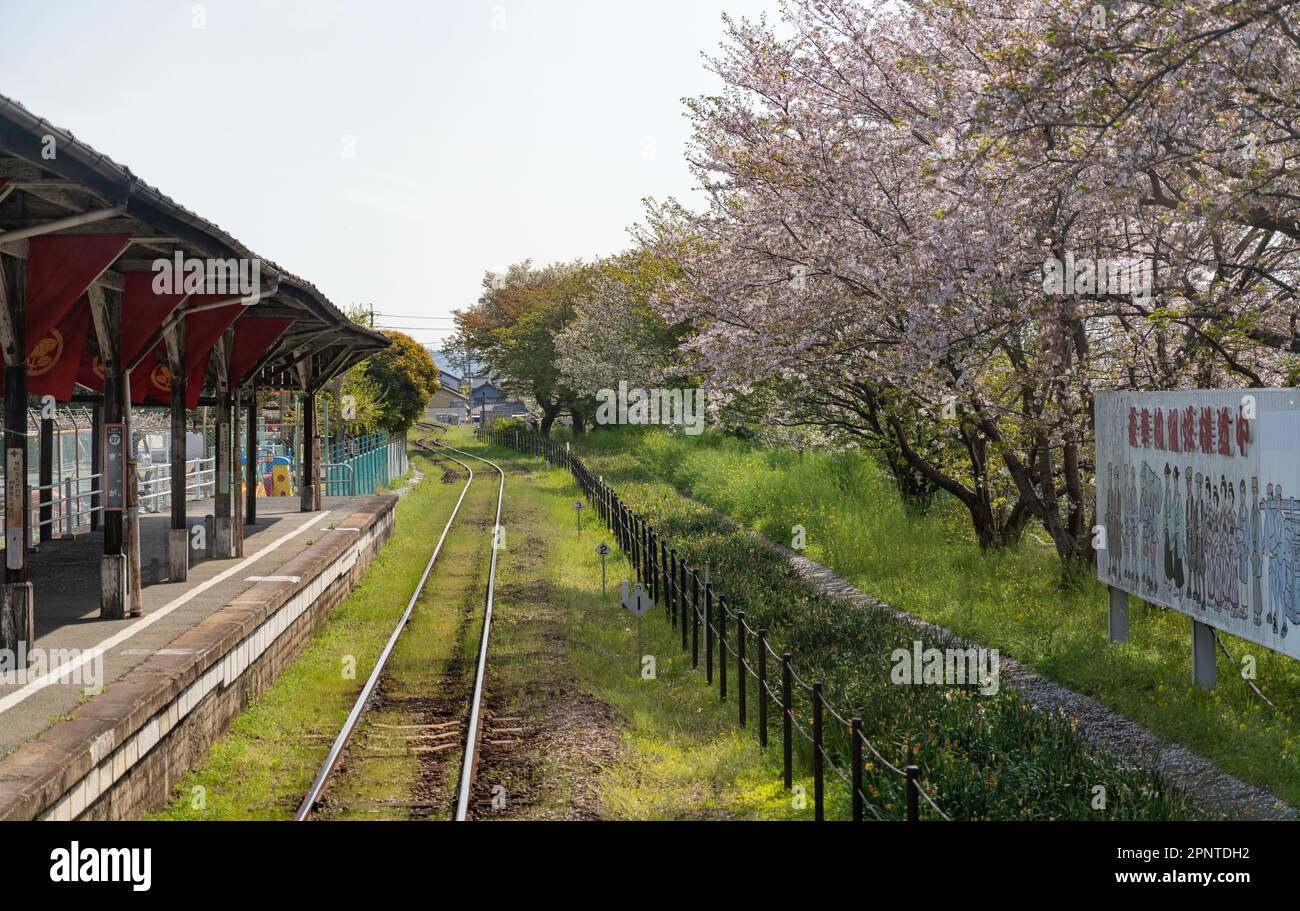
1118 614
1203 657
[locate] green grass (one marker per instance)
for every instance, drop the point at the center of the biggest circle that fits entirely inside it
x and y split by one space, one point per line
264 765
982 757
1012 600
682 755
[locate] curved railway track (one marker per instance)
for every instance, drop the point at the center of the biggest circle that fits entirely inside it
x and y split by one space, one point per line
473 729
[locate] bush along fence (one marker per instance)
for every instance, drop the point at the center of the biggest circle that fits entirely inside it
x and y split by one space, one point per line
364 464
725 641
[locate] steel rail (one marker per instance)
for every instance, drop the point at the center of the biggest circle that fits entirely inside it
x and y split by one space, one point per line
358 707
476 702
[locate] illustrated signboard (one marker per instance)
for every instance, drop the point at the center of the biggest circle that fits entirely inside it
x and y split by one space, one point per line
1198 494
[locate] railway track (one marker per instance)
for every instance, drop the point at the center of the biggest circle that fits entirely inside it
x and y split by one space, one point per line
473 717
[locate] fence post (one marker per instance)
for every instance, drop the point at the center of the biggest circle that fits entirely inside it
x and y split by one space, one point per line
762 687
819 811
681 599
740 665
666 578
672 574
708 634
913 809
786 721
653 546
648 541
67 508
855 734
695 618
654 565
722 649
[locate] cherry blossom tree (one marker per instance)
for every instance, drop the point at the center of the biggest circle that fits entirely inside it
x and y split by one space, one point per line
888 183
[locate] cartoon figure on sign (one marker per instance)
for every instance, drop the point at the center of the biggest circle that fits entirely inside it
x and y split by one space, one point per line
1194 560
1243 555
1228 521
1282 543
1207 542
1114 537
1256 553
1166 526
1128 514
1149 541
1216 547
1270 550
1176 532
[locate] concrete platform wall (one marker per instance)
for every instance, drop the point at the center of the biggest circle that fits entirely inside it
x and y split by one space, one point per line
126 749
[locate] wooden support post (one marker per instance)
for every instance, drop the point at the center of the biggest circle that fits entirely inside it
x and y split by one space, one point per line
17 604
236 476
106 311
134 606
316 484
250 467
178 535
223 544
1203 656
818 760
1117 619
308 482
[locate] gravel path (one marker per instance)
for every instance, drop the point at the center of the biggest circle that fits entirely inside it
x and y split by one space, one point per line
1104 729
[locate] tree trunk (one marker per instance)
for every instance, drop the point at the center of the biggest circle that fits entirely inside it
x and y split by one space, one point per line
549 414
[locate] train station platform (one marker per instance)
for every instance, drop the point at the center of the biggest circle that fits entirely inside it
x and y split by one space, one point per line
112 712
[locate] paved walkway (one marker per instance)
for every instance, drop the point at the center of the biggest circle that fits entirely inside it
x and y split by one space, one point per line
65 576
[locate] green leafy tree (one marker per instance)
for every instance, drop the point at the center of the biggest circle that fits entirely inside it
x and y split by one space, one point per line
397 382
514 326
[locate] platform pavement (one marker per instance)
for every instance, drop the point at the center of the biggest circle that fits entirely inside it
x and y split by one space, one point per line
65 576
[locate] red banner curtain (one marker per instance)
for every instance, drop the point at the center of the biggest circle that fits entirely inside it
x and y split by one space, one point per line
60 267
253 338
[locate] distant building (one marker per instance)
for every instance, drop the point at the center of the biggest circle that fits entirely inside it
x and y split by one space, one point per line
448 405
449 380
484 391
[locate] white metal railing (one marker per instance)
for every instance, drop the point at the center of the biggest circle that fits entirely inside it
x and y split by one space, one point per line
71 505
155 483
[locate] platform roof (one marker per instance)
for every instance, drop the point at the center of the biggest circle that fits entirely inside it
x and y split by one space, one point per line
89 193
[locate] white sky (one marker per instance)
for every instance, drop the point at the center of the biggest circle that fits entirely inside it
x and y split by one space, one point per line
475 145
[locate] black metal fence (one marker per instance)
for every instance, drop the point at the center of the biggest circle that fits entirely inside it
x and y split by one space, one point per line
693 607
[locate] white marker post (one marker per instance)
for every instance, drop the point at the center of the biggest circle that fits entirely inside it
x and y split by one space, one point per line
577 507
638 602
603 549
